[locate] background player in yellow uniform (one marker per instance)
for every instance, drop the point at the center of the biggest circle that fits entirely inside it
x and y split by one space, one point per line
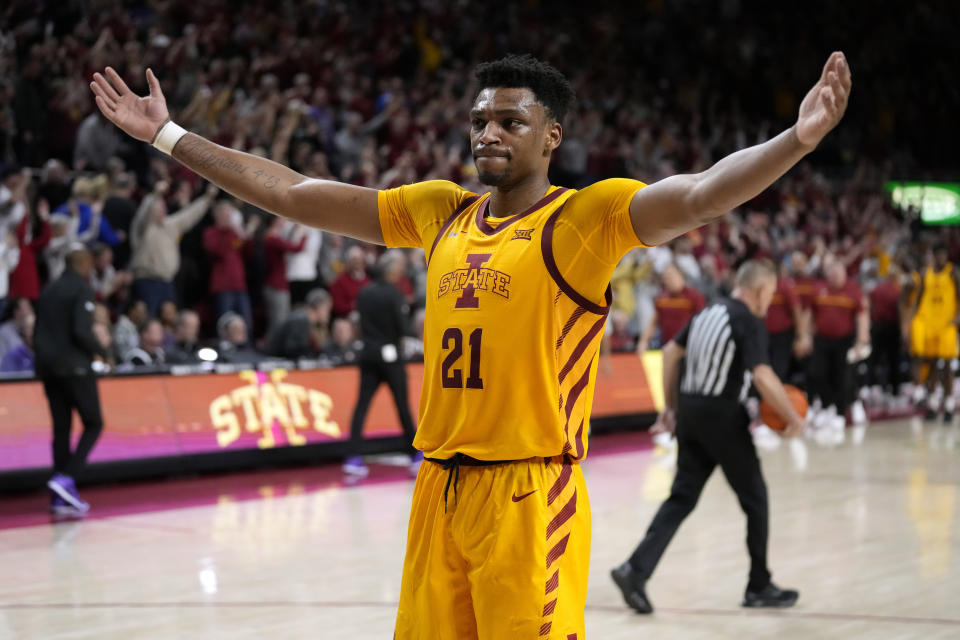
499 536
933 332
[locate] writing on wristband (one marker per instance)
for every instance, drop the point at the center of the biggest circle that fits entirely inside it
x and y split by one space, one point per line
168 136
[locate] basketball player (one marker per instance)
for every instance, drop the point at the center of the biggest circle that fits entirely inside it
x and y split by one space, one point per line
722 349
933 332
911 296
499 536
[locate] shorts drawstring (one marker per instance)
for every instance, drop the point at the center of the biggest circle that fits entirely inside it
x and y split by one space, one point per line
452 467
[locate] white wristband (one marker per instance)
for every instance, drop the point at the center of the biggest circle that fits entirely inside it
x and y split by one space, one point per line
168 137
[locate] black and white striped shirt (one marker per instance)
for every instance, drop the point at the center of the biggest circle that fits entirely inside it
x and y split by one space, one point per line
723 343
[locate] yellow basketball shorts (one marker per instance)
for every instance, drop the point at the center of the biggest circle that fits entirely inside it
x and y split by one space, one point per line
505 555
928 340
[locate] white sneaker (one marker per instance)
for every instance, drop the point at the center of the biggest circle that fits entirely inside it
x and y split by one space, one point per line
764 438
838 427
664 439
858 413
354 466
798 453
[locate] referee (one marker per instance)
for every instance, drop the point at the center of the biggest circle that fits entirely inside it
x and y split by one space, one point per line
383 322
720 350
65 346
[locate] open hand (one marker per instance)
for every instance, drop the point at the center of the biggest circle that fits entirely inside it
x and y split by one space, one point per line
140 118
666 422
825 103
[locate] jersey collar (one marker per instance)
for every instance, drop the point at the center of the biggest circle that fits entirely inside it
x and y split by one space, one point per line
488 230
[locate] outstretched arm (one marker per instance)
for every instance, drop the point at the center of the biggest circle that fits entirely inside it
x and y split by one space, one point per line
674 205
329 205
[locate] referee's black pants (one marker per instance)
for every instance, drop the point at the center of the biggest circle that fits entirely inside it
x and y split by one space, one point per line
711 432
831 374
64 394
373 373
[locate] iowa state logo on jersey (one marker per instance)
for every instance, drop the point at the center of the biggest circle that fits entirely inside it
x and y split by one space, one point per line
473 278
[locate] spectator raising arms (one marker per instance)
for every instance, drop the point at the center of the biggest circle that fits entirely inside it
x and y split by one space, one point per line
88 218
33 235
64 233
155 243
224 243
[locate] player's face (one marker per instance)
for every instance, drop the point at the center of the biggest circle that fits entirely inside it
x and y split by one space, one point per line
511 136
940 257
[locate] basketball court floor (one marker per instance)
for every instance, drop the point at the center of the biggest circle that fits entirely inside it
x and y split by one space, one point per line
867 532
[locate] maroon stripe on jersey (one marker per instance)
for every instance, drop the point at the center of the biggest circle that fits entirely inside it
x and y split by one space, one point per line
546 248
560 483
556 298
579 311
579 440
549 607
576 391
553 582
488 230
563 515
545 629
558 550
581 347
446 225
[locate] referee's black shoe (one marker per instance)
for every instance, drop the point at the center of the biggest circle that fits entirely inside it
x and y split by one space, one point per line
633 588
770 596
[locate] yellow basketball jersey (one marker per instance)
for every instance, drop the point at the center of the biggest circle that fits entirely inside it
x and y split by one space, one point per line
938 304
510 346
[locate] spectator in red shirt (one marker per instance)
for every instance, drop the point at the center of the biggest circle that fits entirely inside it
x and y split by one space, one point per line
885 305
33 235
786 325
673 308
276 291
224 243
803 283
347 285
841 320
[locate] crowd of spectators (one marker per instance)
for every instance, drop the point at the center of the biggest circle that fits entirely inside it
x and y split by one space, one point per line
378 96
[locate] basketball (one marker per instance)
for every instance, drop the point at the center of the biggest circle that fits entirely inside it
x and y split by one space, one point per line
773 419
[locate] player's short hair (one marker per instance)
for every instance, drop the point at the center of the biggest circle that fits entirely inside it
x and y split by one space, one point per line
550 87
752 272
